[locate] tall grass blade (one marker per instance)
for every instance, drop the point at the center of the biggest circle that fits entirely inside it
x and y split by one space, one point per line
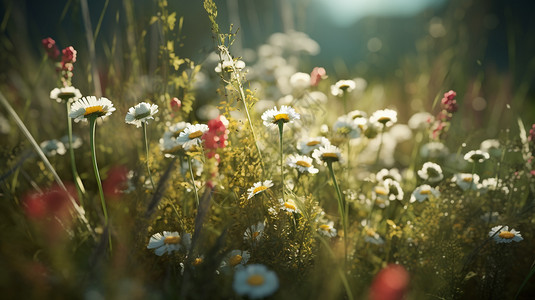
80 211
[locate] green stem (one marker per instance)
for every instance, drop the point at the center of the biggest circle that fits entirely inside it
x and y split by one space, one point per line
341 207
281 127
92 129
193 180
147 152
77 181
380 146
343 276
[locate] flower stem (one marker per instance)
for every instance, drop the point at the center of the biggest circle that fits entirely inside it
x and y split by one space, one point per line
77 181
380 145
281 127
92 129
147 152
193 180
341 207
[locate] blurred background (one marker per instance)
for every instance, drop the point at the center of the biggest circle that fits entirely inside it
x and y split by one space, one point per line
482 49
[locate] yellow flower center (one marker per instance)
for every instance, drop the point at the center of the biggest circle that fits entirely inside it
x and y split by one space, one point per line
172 240
303 163
289 205
506 235
329 155
235 260
425 192
383 120
255 280
284 117
325 227
93 109
195 134
255 234
260 189
379 190
370 232
467 179
197 261
313 143
343 86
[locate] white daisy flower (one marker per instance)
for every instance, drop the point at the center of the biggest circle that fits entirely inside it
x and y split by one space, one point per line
327 153
380 196
373 237
255 281
434 150
386 117
229 66
328 229
357 114
259 187
65 94
289 205
254 232
235 259
466 181
169 242
191 136
90 106
502 234
476 156
310 144
431 172
300 81
302 163
53 147
491 146
286 114
142 112
169 143
386 173
394 189
492 184
347 127
421 121
423 192
342 86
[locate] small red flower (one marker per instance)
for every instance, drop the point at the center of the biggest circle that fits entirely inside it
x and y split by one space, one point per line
52 202
115 181
450 95
69 55
175 104
390 283
317 74
50 46
531 136
216 136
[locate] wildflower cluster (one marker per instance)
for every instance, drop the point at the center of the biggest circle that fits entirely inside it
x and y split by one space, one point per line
258 177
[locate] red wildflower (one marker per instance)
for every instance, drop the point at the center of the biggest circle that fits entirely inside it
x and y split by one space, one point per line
531 136
175 104
69 55
52 202
115 182
450 95
50 47
216 136
390 283
317 74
